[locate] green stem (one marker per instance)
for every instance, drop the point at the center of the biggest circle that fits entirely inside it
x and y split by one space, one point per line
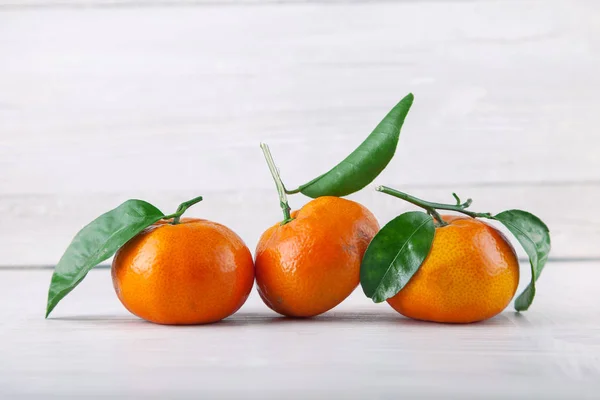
432 208
181 209
283 202
292 191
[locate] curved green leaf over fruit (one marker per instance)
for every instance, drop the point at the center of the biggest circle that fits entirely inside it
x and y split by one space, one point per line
96 242
395 254
363 165
534 236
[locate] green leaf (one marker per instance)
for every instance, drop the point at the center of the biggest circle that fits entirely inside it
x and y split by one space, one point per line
96 242
363 165
534 236
395 254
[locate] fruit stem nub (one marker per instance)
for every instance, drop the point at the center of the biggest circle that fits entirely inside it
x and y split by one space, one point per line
283 202
181 209
432 207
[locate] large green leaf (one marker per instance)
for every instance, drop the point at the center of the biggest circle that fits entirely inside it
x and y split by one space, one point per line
96 242
363 165
395 254
534 236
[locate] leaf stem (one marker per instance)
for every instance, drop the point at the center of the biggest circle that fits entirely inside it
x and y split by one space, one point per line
181 209
283 202
297 190
432 208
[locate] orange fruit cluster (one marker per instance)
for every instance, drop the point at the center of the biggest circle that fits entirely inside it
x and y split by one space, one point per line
200 272
447 269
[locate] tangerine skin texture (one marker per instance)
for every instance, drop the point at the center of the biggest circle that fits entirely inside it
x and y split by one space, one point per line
195 272
470 274
311 264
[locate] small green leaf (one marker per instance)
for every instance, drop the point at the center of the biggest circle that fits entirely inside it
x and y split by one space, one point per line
395 254
363 165
96 242
534 236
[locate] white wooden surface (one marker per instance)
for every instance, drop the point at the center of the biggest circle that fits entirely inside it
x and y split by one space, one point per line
105 100
92 347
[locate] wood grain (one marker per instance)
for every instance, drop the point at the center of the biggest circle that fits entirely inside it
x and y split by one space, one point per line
103 100
99 103
40 227
92 347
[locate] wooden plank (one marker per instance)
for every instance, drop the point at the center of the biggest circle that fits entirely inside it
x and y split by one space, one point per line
36 229
92 347
101 104
33 4
183 95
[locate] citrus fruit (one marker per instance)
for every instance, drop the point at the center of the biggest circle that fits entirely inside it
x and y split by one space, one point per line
470 274
193 272
312 263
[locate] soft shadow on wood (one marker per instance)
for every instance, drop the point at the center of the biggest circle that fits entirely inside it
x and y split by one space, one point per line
356 318
268 318
121 319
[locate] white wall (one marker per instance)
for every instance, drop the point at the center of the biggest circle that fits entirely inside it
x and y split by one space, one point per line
112 100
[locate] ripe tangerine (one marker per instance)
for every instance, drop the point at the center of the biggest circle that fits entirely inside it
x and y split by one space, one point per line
471 274
194 272
312 263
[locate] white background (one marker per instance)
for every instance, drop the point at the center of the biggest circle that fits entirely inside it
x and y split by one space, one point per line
105 101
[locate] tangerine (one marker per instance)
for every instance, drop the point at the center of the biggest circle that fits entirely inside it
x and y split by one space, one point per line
470 274
312 263
194 272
